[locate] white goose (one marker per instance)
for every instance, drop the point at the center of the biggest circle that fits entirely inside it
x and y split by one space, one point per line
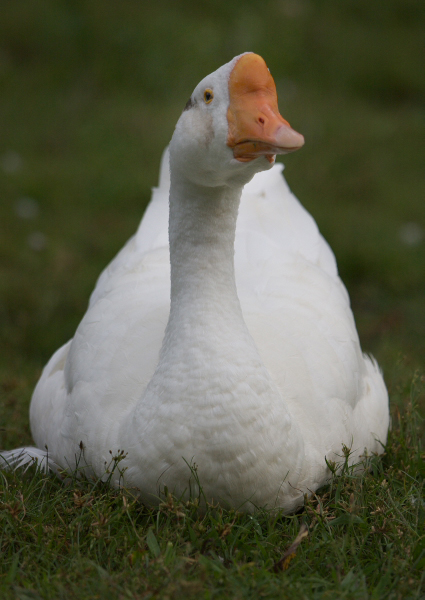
254 377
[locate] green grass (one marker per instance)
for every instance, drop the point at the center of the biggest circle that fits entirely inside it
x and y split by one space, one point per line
81 539
90 93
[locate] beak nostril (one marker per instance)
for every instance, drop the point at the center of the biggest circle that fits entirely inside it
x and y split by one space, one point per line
261 120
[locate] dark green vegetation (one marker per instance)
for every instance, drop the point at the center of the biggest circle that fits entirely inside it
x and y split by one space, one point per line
90 92
80 539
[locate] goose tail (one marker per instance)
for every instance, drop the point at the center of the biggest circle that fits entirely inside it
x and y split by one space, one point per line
27 457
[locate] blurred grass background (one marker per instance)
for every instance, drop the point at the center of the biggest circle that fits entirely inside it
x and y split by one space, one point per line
90 93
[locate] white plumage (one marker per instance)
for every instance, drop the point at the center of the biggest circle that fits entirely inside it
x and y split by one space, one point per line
256 387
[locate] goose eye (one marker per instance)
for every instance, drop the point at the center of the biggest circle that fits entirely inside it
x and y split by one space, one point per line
208 96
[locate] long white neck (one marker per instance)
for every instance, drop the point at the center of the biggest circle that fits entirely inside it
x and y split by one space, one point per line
206 336
202 234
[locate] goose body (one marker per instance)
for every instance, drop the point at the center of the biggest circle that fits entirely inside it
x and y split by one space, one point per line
253 374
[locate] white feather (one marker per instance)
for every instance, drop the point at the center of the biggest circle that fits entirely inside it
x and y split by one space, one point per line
27 457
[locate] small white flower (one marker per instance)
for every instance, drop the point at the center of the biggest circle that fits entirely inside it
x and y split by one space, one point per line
411 234
27 208
37 241
11 162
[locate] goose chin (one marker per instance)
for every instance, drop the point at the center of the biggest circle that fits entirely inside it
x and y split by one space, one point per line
248 150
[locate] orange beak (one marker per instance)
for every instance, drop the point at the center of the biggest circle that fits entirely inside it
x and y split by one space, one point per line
256 127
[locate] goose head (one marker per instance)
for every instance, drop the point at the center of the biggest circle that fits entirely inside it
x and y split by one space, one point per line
231 127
